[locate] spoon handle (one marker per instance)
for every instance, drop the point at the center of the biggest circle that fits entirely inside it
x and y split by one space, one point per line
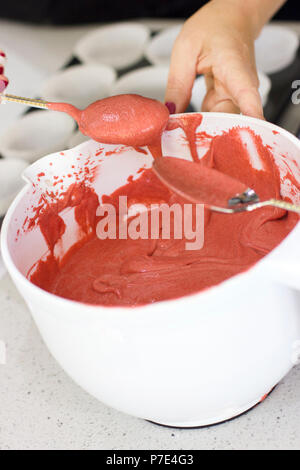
35 103
288 206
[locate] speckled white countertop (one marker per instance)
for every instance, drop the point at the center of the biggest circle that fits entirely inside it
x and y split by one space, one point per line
42 408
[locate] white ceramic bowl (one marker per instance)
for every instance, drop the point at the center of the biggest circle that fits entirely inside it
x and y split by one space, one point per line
275 48
118 45
199 90
11 182
159 49
36 134
80 85
192 361
147 81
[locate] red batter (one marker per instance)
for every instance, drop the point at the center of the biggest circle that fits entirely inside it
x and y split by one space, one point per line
123 119
196 182
135 272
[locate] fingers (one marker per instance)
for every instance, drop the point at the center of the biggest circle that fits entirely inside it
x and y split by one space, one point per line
217 99
226 106
181 74
249 102
3 83
230 73
240 81
3 78
212 104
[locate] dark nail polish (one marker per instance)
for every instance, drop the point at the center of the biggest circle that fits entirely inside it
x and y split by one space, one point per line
171 107
1 70
2 54
3 85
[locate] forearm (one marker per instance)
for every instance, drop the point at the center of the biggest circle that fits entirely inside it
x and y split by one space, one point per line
257 12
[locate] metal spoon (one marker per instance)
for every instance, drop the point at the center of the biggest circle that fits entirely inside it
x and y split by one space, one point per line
221 193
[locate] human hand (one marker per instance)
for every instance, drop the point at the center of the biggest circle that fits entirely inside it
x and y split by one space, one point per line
217 41
3 79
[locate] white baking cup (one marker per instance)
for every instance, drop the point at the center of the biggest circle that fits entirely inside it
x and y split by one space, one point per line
2 267
11 182
147 81
199 90
36 134
275 48
80 85
159 49
119 45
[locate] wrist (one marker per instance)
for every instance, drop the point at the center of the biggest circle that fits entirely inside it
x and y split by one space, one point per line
241 15
256 13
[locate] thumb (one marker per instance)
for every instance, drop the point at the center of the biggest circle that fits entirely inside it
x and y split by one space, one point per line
182 74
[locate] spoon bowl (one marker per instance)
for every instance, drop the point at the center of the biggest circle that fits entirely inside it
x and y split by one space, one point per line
197 183
131 119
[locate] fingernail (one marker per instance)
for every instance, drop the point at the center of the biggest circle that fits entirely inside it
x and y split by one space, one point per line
3 85
2 54
1 70
171 107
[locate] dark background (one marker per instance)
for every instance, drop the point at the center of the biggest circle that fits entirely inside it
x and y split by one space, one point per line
83 11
